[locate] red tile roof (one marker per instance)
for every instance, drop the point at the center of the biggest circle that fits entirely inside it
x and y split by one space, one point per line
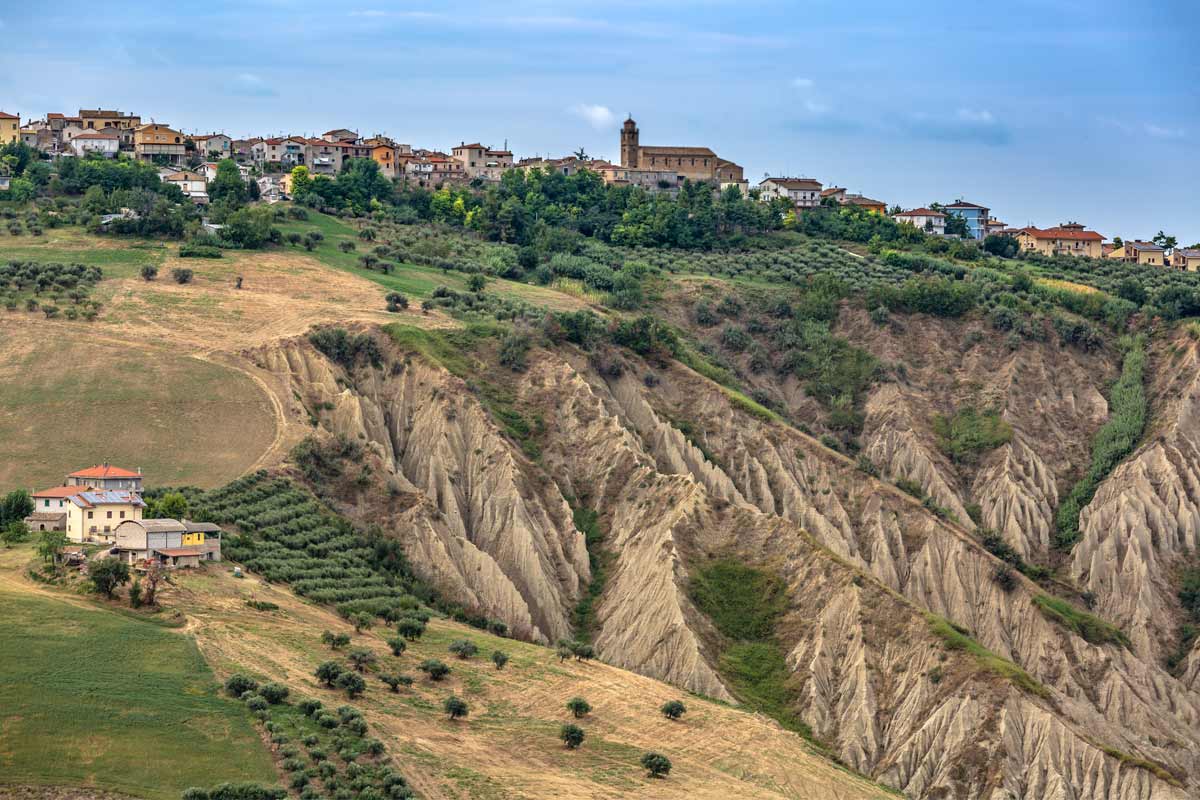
62 491
963 204
104 471
5 115
1062 233
476 146
921 212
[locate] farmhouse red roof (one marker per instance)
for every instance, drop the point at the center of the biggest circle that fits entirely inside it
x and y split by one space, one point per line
1063 233
6 115
62 491
921 212
104 471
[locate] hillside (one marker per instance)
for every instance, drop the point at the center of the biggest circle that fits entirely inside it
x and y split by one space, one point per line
932 518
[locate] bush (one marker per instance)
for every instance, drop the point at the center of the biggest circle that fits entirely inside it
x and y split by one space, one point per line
969 432
435 669
107 574
181 275
352 682
514 350
579 707
398 645
572 736
455 707
273 693
673 709
463 648
190 250
149 272
310 708
396 302
329 672
656 765
410 628
361 658
256 702
499 658
394 682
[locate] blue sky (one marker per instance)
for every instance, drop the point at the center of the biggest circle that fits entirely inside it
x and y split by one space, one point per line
1044 111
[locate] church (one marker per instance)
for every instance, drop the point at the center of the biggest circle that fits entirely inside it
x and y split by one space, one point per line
690 163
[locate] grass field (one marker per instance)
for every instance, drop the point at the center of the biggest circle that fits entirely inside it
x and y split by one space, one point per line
119 258
92 698
67 403
508 746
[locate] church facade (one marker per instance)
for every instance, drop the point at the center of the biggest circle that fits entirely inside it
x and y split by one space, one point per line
688 163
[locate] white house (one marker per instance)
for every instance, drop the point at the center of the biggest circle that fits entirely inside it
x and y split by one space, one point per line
106 143
803 192
209 171
924 219
84 513
214 145
192 183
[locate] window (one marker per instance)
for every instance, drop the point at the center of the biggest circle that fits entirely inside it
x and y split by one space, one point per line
110 515
46 503
122 515
90 513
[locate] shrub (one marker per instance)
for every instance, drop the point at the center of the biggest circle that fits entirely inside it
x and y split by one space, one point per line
273 693
673 709
455 707
149 272
107 574
327 720
579 707
190 250
309 708
361 621
398 645
256 702
572 735
463 648
329 672
435 669
353 683
969 432
499 658
410 628
394 682
181 275
656 765
361 658
396 302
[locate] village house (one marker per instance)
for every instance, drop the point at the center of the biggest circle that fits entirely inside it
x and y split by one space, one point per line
85 514
241 149
481 161
171 542
874 206
193 185
975 216
1144 253
689 163
270 189
1186 259
10 128
995 226
1070 238
924 219
214 146
98 119
430 168
156 142
106 476
340 135
209 170
288 152
802 192
106 143
834 193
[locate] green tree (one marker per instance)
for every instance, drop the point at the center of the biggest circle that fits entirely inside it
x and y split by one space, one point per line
410 628
16 506
171 505
455 707
572 735
362 620
499 658
673 709
656 765
463 648
579 707
435 669
227 186
956 225
14 533
328 672
149 272
107 574
274 693
301 182
135 593
361 658
394 682
398 645
352 682
49 543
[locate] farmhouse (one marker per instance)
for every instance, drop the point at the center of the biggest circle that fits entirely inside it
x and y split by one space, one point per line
803 192
84 513
924 219
172 542
1070 238
106 476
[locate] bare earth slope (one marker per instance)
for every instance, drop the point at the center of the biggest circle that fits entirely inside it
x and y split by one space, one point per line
862 649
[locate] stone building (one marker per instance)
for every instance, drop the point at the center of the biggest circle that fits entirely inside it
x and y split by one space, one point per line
688 163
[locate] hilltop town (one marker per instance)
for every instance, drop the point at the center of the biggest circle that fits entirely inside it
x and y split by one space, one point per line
190 161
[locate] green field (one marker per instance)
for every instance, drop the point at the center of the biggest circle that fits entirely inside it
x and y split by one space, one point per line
91 698
119 258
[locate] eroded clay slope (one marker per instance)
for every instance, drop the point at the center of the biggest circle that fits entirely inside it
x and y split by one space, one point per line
1145 518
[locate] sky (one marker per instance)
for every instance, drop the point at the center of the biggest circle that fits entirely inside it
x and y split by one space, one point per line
1084 110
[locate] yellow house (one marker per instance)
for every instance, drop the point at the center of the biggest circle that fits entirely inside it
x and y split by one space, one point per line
84 513
1186 259
97 119
10 128
1145 253
158 141
1067 239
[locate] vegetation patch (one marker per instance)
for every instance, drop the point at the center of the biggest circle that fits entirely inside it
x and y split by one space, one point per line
600 560
969 433
956 638
1112 443
93 692
1090 627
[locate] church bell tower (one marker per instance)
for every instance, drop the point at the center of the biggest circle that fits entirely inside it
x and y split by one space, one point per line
629 143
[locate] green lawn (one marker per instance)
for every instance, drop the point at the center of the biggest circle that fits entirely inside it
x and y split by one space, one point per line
118 257
91 698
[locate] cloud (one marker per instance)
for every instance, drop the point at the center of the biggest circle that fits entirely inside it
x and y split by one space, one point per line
802 83
599 117
250 85
813 107
976 117
1163 133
